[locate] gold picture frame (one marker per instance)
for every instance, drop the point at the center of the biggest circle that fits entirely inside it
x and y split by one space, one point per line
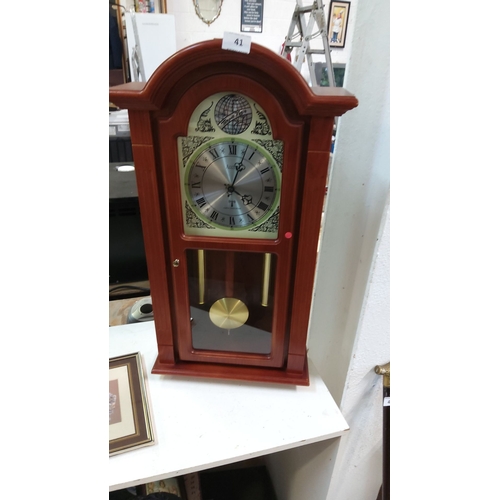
130 424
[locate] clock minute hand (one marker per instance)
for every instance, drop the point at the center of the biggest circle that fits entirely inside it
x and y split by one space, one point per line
239 166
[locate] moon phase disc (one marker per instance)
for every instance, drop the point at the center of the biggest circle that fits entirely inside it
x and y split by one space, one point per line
228 313
233 114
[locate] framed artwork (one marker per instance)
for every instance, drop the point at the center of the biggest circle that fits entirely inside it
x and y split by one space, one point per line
322 74
338 16
130 424
252 12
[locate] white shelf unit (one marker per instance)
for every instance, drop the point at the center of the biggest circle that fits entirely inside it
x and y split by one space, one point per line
203 423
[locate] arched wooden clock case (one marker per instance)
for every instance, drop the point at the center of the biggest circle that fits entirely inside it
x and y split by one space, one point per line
231 153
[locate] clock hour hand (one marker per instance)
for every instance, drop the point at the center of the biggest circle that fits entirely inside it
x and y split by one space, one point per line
245 198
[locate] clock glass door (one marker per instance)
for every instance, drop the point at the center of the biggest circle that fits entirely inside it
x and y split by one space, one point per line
231 298
231 222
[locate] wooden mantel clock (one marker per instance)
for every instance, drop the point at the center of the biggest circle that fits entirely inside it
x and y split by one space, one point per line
231 153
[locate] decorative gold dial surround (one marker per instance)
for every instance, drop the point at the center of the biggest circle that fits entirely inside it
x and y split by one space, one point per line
230 168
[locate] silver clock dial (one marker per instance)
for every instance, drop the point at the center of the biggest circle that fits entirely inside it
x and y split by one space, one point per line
233 184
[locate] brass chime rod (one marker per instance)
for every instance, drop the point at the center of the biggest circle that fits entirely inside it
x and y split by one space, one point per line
266 276
201 276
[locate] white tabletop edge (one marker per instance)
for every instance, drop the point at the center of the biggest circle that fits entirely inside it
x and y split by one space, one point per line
204 423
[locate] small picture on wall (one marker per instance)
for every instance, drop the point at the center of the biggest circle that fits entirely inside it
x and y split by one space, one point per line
337 23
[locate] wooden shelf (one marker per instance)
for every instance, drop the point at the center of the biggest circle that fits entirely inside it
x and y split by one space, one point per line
203 423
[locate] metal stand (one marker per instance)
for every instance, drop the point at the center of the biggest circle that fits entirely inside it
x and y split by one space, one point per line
385 370
136 56
301 33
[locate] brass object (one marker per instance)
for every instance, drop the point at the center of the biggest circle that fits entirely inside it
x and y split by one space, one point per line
228 313
384 370
201 276
266 275
213 9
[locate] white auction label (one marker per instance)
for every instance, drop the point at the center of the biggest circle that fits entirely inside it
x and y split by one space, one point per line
236 42
387 401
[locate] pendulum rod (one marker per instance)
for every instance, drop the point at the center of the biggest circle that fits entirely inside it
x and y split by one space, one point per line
266 275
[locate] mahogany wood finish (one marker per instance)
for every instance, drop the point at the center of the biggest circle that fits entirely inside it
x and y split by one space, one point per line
301 117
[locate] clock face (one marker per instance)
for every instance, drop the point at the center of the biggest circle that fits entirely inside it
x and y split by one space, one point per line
230 170
232 184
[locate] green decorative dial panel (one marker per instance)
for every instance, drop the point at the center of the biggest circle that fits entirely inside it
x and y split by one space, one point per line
230 168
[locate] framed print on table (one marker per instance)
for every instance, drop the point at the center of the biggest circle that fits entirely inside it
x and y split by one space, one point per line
338 16
130 424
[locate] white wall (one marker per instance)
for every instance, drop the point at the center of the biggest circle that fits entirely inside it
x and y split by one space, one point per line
358 465
276 22
349 329
357 193
190 29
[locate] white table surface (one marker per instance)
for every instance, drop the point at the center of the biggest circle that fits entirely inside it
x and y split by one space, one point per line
201 423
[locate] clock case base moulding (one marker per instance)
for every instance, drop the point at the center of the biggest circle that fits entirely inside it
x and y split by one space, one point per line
232 372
